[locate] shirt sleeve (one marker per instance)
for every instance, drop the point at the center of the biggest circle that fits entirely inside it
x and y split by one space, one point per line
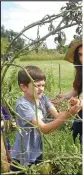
26 112
74 84
48 103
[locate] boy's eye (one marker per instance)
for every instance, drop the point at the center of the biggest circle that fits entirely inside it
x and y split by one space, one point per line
80 54
40 85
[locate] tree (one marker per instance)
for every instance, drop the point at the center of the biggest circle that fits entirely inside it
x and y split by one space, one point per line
9 35
4 44
3 34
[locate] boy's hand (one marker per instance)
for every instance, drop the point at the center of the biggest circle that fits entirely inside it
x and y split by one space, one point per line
74 109
73 101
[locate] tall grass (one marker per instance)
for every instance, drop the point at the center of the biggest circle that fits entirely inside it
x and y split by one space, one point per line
42 56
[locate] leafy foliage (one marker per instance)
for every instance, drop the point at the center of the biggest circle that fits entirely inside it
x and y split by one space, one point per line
4 44
9 35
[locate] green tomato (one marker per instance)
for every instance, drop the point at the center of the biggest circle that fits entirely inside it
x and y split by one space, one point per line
46 168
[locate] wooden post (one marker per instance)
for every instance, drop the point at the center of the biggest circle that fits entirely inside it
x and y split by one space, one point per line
59 79
4 161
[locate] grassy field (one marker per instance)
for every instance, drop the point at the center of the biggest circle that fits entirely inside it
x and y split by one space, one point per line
56 81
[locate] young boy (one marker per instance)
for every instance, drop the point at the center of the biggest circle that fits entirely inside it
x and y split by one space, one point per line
28 144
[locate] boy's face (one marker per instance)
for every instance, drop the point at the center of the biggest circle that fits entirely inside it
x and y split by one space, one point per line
38 90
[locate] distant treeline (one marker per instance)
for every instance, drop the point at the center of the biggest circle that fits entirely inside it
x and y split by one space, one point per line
8 35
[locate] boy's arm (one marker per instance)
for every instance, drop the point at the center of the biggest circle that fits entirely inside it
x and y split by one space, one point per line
61 118
53 112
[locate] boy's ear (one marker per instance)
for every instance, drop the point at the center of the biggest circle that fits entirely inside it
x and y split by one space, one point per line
23 87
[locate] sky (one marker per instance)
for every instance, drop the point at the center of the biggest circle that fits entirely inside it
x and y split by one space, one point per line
17 14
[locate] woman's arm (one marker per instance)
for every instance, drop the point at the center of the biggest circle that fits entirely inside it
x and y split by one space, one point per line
82 103
72 93
62 97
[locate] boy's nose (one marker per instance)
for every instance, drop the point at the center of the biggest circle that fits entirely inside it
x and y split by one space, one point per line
41 88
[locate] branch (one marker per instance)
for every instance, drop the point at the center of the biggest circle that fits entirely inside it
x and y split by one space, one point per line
43 21
35 42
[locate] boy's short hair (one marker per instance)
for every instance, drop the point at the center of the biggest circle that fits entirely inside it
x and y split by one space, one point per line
35 73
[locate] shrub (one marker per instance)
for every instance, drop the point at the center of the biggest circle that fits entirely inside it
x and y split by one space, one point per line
42 56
